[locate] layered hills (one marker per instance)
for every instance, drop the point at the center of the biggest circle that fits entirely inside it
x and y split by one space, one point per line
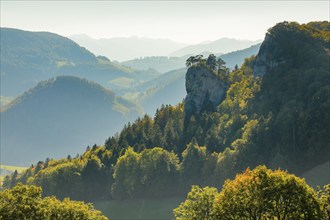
164 64
29 57
168 89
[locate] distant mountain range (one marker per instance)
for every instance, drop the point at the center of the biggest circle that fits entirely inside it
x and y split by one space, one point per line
58 117
165 64
223 45
237 57
122 49
125 49
30 57
159 63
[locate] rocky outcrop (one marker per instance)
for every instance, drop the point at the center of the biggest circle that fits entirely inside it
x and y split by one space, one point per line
205 90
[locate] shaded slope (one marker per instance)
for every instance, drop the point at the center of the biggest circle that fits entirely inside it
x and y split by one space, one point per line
169 90
58 117
237 57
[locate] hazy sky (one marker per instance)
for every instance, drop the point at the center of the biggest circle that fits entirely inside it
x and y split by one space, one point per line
182 21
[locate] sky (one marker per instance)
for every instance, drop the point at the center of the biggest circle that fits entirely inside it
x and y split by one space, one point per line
181 21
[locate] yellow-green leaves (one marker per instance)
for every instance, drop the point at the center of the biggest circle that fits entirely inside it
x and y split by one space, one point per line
198 205
260 194
25 202
265 194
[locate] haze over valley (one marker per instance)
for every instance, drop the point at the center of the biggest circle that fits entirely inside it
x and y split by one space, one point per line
43 62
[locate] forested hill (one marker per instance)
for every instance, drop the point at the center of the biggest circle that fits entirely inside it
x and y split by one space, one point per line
295 94
275 111
58 117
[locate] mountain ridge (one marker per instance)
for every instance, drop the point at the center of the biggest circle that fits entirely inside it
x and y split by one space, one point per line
126 48
222 45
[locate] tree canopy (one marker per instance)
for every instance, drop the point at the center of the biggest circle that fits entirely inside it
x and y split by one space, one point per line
199 204
265 194
25 202
256 194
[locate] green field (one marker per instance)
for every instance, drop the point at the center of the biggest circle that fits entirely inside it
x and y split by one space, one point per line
139 209
5 100
12 168
5 168
318 176
123 82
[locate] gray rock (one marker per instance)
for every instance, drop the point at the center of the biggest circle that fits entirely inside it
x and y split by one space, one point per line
203 86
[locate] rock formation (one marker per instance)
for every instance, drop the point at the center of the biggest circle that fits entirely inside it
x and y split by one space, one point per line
204 90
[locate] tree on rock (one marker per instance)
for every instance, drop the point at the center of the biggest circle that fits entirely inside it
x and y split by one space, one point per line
194 60
211 61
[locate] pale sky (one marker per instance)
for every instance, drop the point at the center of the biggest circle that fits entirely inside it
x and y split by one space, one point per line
182 21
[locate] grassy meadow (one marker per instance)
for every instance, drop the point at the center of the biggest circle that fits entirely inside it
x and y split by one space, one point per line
155 209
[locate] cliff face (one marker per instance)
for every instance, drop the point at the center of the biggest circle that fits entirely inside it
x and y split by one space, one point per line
204 90
267 58
291 45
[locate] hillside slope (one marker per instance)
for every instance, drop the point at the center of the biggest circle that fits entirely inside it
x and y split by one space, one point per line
58 117
168 89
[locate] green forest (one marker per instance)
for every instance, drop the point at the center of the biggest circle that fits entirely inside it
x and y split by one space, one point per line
280 119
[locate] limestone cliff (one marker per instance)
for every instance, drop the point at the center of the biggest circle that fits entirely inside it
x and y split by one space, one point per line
204 90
